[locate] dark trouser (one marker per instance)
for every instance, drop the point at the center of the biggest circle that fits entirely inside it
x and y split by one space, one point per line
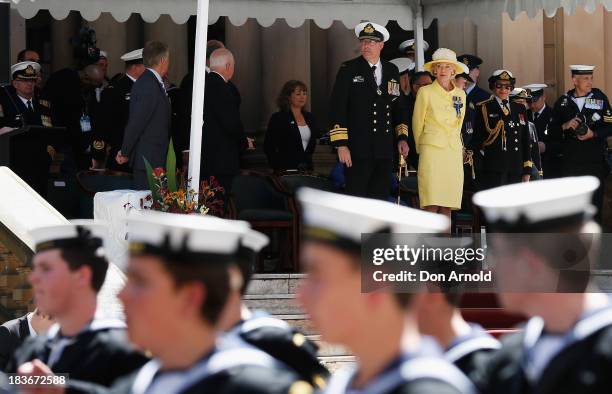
369 178
491 179
140 180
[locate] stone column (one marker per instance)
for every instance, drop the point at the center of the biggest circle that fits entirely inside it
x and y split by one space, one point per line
61 33
245 43
165 30
111 36
285 56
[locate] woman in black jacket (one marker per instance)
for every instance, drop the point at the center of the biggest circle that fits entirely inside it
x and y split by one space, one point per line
292 134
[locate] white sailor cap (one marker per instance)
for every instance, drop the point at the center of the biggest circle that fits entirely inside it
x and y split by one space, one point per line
134 56
25 70
255 241
191 237
536 89
502 75
341 220
80 234
371 31
581 69
403 64
408 45
540 205
103 54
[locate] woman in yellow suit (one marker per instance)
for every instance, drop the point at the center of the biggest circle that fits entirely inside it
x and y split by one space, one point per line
436 123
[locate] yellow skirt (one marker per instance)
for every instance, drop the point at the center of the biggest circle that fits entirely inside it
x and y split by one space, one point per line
440 176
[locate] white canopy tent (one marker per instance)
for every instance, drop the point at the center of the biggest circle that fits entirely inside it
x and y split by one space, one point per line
409 14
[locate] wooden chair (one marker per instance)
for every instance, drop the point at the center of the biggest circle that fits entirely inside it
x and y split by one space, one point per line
257 200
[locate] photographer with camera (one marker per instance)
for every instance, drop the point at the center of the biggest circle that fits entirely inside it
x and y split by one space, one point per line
581 122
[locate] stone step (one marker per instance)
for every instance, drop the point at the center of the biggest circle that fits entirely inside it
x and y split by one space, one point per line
262 284
300 322
334 363
274 304
328 349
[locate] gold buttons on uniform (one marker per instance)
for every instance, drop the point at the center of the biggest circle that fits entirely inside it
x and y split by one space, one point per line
374 112
299 339
375 129
515 148
374 121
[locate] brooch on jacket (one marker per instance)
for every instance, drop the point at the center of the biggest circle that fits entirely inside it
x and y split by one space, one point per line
457 104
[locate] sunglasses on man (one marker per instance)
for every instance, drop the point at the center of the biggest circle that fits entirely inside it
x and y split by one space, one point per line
503 86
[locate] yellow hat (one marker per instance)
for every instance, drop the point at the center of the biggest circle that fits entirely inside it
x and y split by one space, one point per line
444 55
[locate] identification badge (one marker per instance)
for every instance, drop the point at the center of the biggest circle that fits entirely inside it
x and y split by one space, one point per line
593 104
457 104
393 88
358 79
85 124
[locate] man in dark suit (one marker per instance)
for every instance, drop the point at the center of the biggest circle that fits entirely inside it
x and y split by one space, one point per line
14 332
368 117
148 129
114 113
223 137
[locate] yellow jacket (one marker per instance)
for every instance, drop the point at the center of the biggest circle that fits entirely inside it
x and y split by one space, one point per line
435 120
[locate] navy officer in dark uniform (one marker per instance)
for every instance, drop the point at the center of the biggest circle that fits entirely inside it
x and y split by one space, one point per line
475 94
502 132
114 113
581 123
20 106
68 271
471 161
541 115
565 345
523 97
368 116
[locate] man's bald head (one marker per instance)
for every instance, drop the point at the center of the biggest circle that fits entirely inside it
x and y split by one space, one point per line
222 62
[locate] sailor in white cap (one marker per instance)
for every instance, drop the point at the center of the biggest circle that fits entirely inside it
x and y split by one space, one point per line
368 117
545 274
114 113
179 280
258 328
69 269
581 123
501 130
378 327
408 48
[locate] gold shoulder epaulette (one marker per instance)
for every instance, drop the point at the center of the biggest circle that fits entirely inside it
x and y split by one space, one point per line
485 101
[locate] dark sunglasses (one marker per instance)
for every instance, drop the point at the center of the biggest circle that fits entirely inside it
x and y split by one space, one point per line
503 86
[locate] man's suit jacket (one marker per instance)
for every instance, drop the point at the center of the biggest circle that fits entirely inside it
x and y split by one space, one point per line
223 138
12 335
148 129
283 145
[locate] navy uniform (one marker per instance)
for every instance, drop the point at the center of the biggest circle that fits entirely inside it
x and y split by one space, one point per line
100 353
583 157
538 360
475 94
503 135
523 97
408 48
469 350
229 365
467 131
114 113
551 157
368 118
32 160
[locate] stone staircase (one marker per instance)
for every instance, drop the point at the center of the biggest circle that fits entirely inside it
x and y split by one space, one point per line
275 293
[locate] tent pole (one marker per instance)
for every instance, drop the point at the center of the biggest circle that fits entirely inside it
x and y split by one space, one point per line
197 103
418 36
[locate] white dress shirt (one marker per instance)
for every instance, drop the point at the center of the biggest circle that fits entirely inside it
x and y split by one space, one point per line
377 72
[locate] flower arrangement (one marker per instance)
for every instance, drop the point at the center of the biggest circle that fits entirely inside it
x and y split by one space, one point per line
168 195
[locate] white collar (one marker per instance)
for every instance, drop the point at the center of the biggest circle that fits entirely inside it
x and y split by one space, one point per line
499 101
159 78
378 65
224 80
469 89
131 77
33 332
541 110
25 100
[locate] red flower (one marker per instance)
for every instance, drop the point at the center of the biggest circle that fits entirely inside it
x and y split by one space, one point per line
159 172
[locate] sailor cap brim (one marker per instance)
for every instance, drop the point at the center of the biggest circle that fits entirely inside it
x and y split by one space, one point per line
132 56
69 235
408 45
377 28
